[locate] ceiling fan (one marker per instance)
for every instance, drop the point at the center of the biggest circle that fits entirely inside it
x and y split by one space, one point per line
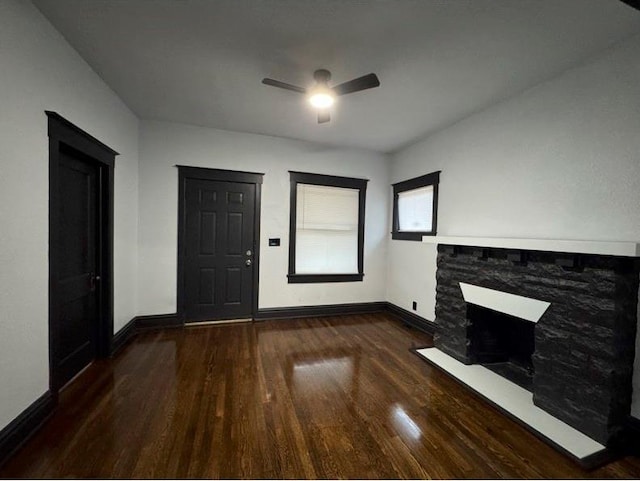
321 96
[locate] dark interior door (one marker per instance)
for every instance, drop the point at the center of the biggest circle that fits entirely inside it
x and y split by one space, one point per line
219 250
75 286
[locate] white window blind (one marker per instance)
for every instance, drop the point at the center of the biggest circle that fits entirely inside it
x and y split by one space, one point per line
415 210
326 230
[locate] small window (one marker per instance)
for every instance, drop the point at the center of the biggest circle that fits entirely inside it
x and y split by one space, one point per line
415 207
326 232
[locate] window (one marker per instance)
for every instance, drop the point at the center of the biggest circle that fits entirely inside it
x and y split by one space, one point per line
326 228
415 207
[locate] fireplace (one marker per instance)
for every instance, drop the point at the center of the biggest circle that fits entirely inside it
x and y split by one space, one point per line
502 343
560 325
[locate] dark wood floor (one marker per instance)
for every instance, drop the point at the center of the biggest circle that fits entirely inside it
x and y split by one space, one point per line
339 397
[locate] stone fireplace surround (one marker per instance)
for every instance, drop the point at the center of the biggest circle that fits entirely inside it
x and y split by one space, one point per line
584 340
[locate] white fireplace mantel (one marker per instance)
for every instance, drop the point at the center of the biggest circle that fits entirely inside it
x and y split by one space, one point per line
607 248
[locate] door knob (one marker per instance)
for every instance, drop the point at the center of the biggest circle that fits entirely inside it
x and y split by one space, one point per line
248 262
248 253
93 278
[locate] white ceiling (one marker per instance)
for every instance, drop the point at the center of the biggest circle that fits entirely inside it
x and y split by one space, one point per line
201 61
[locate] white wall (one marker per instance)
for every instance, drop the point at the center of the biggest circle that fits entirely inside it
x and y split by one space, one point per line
38 71
163 145
559 161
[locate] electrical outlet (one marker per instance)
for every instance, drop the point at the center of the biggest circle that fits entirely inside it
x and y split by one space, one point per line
415 305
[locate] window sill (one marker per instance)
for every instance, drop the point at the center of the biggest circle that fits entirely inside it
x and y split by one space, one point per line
410 236
317 278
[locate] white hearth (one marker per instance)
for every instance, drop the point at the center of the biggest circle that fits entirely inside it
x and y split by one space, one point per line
517 402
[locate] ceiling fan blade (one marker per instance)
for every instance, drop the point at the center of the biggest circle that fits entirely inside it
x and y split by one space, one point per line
282 85
323 116
361 83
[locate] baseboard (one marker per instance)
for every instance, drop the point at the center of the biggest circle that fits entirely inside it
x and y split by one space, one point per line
405 316
319 311
123 336
158 321
18 431
412 319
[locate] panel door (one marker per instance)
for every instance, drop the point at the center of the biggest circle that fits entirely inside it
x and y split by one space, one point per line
219 245
75 345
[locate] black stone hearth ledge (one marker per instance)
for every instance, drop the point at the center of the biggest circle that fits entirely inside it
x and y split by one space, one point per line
605 248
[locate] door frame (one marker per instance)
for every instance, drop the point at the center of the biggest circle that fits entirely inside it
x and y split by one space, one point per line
219 175
65 136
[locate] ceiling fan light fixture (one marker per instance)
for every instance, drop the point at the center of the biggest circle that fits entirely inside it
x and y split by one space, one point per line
322 98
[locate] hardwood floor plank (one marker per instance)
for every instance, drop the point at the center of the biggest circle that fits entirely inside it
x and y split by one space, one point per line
332 397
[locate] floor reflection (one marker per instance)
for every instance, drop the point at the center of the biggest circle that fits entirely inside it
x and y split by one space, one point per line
331 376
404 424
314 375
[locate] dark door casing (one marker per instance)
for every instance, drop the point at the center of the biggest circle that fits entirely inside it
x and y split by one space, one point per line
218 258
81 171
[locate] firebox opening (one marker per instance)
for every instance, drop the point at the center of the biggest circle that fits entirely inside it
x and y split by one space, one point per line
502 343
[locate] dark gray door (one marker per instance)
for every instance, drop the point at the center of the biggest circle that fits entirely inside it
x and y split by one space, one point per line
77 242
219 250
